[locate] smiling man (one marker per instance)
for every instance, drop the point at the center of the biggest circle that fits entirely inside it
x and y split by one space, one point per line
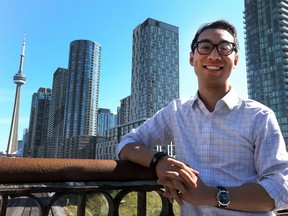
230 154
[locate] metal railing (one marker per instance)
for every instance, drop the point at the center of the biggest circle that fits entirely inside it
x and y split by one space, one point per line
29 177
57 178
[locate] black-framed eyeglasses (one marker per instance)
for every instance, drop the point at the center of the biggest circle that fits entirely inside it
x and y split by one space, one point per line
224 48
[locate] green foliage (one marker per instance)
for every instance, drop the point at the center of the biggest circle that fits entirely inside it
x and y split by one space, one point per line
153 205
97 205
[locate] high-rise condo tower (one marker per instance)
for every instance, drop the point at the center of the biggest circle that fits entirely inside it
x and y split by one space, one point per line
155 68
266 46
82 90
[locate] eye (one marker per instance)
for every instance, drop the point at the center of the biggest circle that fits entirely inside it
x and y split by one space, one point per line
204 46
225 47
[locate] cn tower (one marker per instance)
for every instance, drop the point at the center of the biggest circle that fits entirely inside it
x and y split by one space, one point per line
19 79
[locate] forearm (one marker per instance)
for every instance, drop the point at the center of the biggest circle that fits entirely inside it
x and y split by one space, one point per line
250 197
136 153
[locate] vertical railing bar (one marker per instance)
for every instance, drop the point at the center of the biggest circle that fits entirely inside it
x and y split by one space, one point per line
141 188
81 204
4 203
141 203
167 207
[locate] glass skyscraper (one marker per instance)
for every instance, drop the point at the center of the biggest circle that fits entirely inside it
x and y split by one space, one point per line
80 115
38 124
56 114
155 68
266 46
106 120
154 83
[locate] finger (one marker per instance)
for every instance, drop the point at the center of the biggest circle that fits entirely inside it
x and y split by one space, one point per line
168 195
185 172
191 180
166 183
174 162
183 184
181 165
172 190
169 174
192 171
179 186
173 194
180 175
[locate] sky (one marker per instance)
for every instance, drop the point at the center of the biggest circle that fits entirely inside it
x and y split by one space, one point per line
51 25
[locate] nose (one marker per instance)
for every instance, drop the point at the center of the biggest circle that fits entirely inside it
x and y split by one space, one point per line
214 55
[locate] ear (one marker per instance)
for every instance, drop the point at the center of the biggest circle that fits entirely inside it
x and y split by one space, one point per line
236 60
191 58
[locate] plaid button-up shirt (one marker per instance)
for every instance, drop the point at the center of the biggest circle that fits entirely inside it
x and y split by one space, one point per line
239 142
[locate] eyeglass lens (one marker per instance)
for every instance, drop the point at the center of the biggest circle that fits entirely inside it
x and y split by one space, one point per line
224 48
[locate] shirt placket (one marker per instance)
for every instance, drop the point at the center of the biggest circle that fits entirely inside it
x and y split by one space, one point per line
206 144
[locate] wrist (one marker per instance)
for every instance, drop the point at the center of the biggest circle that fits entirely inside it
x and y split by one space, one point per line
222 197
210 198
156 158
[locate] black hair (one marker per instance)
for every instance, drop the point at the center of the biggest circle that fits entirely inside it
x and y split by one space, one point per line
219 24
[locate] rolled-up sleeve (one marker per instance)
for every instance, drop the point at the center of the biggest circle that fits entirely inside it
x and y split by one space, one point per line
271 160
154 131
277 187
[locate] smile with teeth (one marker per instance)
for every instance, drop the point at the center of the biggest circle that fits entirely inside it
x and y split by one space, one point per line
212 67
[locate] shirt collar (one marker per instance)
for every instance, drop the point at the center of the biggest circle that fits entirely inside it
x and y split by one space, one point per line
195 99
231 99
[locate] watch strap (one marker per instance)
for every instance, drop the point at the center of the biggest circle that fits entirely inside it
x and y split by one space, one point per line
157 156
221 188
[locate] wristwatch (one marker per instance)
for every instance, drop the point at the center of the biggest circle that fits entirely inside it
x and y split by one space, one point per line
156 159
223 197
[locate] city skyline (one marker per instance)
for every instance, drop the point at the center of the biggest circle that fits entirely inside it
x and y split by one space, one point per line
48 48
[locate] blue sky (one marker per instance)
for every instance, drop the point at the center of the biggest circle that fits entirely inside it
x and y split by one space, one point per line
51 25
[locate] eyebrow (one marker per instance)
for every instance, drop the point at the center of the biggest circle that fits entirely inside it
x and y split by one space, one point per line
207 40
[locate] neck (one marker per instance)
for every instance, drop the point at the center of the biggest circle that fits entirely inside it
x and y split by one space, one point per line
210 95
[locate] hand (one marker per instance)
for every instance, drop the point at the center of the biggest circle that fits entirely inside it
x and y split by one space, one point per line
201 195
174 175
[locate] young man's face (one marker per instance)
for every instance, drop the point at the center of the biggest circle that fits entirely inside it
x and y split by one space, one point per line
213 68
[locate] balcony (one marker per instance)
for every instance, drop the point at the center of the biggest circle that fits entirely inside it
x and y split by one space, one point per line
23 178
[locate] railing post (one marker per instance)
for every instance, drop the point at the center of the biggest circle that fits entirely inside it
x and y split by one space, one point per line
141 203
4 202
81 204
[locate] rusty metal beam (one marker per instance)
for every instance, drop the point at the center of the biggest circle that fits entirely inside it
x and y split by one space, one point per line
22 170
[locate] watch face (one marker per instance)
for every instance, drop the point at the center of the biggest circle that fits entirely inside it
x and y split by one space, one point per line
224 198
